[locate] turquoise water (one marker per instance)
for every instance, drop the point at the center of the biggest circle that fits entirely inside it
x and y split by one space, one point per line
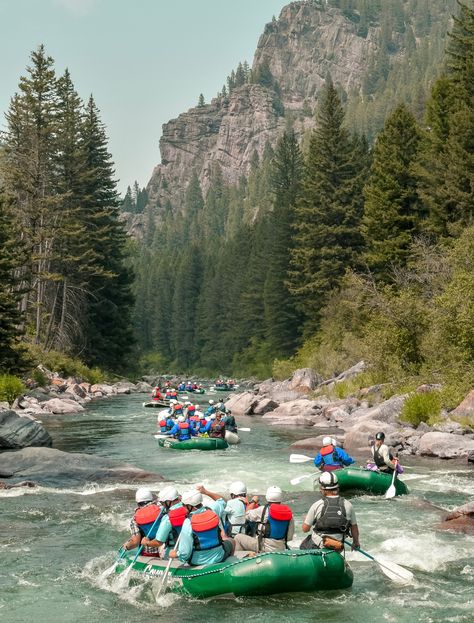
57 542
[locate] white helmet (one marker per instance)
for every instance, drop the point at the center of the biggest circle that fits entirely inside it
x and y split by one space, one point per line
213 416
192 498
173 401
327 441
181 418
238 488
211 402
187 403
334 441
328 480
168 494
274 494
144 495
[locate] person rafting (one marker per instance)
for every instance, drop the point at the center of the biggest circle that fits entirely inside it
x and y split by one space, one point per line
143 522
211 408
331 457
275 525
165 422
235 508
172 522
156 394
382 457
217 427
202 540
330 519
182 430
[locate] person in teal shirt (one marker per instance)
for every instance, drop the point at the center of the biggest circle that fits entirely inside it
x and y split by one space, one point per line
171 523
216 547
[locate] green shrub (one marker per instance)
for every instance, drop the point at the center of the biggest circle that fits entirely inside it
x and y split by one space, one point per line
421 408
10 388
39 377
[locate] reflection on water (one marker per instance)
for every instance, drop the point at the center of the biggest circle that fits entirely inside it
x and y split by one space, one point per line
56 543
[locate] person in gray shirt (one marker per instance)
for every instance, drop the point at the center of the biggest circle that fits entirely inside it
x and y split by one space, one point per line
330 519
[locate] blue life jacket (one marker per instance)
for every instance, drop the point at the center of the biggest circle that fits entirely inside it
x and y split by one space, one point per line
277 523
146 517
206 531
329 456
183 433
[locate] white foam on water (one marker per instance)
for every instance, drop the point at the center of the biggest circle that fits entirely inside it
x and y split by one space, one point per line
119 522
468 570
425 551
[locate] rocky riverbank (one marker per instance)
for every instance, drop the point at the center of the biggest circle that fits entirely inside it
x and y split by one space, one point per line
353 421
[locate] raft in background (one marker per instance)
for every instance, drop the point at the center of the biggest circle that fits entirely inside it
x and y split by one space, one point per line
157 403
243 575
195 443
359 479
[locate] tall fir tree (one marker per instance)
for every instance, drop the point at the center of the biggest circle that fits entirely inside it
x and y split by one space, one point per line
327 239
107 333
393 213
282 320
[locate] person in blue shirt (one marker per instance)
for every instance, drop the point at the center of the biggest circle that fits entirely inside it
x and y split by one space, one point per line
211 408
172 522
202 540
331 457
182 431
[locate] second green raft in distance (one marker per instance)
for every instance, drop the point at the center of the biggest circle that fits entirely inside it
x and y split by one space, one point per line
195 443
359 479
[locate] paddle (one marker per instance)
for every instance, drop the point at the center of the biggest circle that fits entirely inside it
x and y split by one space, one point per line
300 458
391 491
158 436
298 479
111 569
393 571
129 568
244 430
164 581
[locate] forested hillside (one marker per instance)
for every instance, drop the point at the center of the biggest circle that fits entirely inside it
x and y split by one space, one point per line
64 282
328 251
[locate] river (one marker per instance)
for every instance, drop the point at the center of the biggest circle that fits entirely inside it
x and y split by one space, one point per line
57 542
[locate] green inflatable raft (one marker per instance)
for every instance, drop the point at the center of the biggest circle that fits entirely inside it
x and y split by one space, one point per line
195 443
359 479
246 574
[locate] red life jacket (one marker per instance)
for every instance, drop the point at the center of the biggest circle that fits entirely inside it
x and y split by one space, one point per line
329 456
176 517
163 426
183 425
216 429
206 532
145 518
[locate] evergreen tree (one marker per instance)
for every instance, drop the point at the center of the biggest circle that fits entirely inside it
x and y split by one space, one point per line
128 203
281 317
11 319
29 154
107 328
393 214
201 101
327 237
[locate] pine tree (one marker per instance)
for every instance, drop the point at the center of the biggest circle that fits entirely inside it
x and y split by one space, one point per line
327 238
107 330
281 317
128 203
11 319
28 168
201 101
393 213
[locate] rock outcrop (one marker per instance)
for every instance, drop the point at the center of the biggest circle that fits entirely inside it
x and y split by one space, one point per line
461 519
52 467
20 432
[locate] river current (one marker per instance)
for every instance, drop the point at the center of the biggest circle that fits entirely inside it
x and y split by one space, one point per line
58 541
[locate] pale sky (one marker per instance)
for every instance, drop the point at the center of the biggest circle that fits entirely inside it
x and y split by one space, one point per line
145 61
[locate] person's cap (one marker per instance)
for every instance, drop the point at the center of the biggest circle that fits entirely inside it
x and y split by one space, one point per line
328 481
143 495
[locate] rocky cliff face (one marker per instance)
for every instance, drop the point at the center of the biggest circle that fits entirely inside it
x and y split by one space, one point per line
309 41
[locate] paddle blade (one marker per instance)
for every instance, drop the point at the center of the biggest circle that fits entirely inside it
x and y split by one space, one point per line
244 430
298 479
395 572
391 492
300 458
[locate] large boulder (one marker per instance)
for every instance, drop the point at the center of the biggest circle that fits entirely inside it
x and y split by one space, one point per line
60 405
304 381
357 439
387 412
20 432
53 467
242 404
460 519
446 445
465 410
